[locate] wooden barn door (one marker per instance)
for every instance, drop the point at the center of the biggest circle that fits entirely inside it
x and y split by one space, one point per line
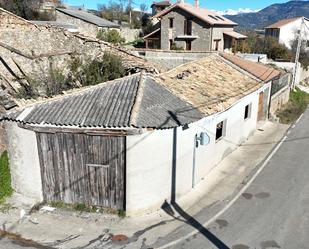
79 168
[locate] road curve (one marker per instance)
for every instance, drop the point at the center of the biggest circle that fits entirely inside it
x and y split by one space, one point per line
274 210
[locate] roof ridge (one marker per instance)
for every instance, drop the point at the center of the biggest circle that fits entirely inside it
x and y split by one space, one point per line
137 101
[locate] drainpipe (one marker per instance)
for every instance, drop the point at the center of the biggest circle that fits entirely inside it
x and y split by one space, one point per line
194 156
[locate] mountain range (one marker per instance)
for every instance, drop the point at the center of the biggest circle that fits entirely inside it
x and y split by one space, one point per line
270 14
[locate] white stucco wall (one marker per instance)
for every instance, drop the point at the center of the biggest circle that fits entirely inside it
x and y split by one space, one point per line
149 156
288 32
24 161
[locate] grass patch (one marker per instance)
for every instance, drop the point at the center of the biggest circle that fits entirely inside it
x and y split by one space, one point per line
81 207
121 213
5 178
297 104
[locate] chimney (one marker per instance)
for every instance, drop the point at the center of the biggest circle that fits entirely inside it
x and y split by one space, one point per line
196 3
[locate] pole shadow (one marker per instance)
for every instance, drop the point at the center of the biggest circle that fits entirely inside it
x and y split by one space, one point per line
188 219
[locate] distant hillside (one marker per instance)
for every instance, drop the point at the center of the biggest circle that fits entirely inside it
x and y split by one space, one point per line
271 14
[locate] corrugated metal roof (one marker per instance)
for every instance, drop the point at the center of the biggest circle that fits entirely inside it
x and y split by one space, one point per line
110 105
160 108
88 17
6 100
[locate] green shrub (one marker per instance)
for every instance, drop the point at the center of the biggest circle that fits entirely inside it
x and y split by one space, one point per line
109 67
5 177
121 213
56 82
175 47
297 104
112 36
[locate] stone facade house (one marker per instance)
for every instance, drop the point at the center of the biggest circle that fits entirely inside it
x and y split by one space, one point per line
188 27
87 23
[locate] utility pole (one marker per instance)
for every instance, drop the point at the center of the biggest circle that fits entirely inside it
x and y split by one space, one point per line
299 42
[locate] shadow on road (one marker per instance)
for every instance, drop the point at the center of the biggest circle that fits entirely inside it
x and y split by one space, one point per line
168 208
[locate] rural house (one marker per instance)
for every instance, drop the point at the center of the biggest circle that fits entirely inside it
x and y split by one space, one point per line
279 79
285 31
122 144
188 27
86 22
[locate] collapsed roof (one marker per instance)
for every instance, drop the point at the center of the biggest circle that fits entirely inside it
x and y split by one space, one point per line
211 84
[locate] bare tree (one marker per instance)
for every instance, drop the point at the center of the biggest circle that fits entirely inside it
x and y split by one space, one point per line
143 7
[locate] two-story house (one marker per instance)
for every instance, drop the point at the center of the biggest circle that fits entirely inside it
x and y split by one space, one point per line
284 31
190 27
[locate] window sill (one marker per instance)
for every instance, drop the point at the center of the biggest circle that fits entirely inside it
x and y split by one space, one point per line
219 139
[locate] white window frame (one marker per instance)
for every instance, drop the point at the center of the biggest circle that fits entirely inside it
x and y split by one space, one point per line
224 122
249 111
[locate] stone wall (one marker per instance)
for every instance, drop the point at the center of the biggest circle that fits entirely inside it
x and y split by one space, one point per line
28 50
200 29
130 34
278 100
170 59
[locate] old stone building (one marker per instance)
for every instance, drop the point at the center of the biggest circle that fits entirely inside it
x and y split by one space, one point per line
87 23
188 27
29 51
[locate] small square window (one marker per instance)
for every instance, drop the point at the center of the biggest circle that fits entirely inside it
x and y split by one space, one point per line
247 114
171 25
220 130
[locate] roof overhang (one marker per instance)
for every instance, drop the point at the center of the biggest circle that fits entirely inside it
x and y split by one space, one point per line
177 5
235 35
46 128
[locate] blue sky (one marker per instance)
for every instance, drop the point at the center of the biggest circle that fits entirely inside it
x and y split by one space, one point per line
210 4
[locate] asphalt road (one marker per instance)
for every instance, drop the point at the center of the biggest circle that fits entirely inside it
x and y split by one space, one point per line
274 211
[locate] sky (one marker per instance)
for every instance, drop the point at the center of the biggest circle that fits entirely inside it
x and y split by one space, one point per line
221 5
